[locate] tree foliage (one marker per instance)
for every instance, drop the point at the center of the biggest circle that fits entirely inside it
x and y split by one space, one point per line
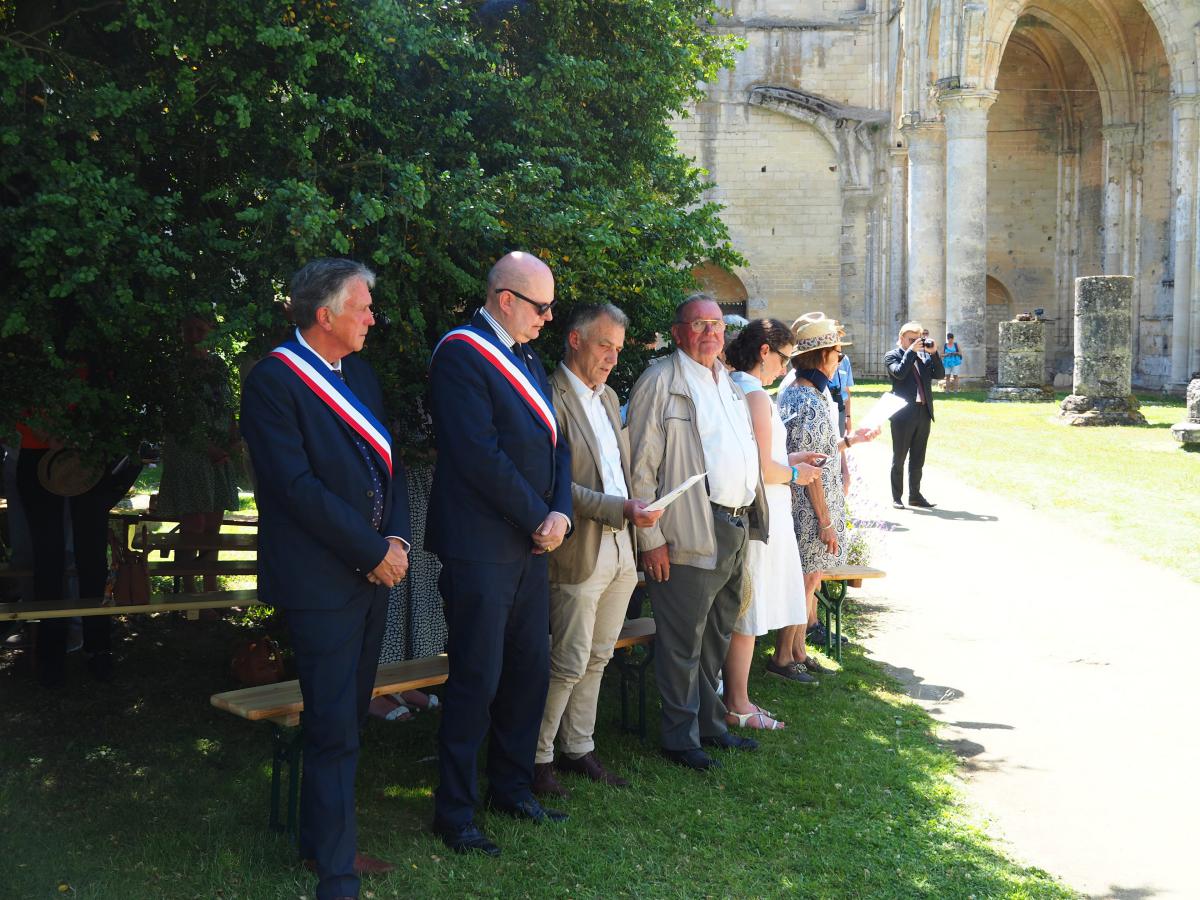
161 159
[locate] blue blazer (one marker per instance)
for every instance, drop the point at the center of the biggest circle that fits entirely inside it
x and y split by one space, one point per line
313 489
497 476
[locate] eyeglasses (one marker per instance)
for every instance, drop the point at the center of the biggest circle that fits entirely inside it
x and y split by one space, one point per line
783 357
542 308
699 326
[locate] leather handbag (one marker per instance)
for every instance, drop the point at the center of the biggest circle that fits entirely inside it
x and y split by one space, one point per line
128 575
257 662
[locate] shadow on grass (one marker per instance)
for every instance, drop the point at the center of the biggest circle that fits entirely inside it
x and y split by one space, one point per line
141 789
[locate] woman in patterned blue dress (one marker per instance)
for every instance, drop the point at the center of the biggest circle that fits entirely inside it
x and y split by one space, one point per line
810 416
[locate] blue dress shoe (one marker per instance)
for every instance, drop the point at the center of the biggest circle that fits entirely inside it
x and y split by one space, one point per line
730 741
691 759
529 810
464 838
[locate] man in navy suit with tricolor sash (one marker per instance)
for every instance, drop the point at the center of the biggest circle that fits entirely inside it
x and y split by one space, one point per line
333 539
501 500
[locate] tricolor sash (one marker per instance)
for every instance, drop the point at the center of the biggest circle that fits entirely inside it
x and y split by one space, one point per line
336 394
504 363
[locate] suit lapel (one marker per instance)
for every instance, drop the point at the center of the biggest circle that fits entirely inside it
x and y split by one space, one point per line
574 409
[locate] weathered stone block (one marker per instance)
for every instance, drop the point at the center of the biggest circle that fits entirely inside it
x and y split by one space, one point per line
1022 375
1103 362
1188 431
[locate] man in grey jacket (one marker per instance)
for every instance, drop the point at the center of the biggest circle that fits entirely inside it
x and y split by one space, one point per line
686 416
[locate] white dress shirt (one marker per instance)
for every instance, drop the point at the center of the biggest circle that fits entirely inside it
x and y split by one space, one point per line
726 434
608 450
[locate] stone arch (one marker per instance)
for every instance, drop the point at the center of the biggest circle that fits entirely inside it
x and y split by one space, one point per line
728 289
1087 34
999 309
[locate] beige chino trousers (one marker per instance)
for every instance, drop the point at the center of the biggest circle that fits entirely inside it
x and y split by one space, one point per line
585 622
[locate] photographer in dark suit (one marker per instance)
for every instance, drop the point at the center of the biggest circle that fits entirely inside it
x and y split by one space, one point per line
912 365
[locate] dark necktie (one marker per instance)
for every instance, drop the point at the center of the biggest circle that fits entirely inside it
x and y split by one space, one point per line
917 377
364 451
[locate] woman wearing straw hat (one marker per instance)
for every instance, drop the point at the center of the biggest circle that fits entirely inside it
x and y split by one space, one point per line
810 416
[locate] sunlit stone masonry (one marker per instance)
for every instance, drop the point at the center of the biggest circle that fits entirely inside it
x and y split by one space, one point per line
1022 374
1100 394
1188 432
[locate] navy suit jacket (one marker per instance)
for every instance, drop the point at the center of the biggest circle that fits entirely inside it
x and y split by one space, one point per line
497 476
900 365
313 489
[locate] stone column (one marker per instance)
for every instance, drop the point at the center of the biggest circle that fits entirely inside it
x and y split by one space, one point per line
966 225
1022 363
1100 394
897 295
1118 197
1187 432
1185 132
927 225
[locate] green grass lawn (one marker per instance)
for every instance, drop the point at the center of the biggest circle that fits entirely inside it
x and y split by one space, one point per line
1134 486
141 789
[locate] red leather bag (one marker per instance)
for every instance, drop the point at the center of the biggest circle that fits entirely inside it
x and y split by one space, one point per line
257 662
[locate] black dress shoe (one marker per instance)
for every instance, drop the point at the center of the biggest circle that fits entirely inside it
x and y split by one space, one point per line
465 838
691 759
530 810
920 502
730 741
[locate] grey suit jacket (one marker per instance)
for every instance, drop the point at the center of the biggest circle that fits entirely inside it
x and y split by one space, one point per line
575 559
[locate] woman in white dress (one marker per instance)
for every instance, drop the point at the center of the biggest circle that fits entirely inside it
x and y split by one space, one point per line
758 356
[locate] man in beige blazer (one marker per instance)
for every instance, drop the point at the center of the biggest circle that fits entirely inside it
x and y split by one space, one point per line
593 572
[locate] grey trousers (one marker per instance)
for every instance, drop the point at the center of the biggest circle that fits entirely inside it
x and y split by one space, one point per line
694 612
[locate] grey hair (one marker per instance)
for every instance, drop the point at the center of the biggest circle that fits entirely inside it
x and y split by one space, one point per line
698 297
324 282
585 314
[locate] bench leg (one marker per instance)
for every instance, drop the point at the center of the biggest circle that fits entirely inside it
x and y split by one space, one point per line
286 744
633 671
830 595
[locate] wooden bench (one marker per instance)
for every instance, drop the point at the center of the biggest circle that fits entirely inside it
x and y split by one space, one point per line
282 705
16 612
831 592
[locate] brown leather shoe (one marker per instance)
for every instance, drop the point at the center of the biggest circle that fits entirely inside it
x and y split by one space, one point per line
544 782
590 766
363 865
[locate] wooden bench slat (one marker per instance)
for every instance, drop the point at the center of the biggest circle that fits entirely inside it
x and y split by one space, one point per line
848 573
282 703
133 516
204 567
158 603
167 541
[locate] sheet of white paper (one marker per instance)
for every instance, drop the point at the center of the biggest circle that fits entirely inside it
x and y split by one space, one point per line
671 496
885 407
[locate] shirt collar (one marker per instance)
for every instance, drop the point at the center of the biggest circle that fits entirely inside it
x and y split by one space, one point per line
306 346
509 340
580 388
697 368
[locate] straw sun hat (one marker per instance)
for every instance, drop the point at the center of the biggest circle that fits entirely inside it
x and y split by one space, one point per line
65 473
813 331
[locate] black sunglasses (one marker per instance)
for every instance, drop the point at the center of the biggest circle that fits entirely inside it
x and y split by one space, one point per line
542 308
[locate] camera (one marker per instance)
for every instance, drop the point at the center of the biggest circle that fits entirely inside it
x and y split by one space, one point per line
928 344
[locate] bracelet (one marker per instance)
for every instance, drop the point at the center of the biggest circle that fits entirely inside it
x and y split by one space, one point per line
795 475
827 525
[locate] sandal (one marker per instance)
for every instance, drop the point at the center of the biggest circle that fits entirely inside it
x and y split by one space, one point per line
389 708
757 720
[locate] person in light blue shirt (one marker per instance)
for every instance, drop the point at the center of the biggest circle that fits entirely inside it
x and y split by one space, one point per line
839 388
